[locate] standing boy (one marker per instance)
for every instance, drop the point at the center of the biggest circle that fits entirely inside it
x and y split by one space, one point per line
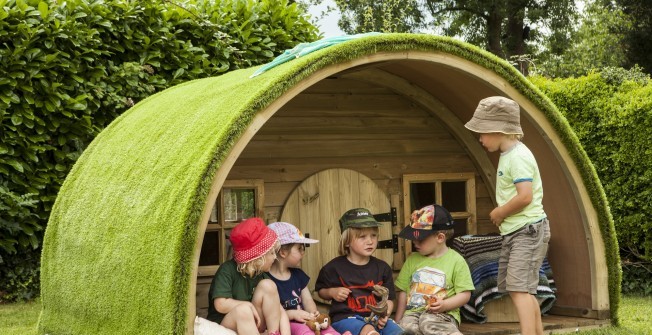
435 281
519 215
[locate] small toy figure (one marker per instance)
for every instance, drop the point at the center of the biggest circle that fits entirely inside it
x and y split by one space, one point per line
322 321
380 309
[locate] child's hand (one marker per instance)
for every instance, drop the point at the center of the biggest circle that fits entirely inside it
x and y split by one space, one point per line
436 305
255 312
496 216
301 315
382 321
340 293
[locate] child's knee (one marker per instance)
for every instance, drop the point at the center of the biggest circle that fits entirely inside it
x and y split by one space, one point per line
242 312
267 286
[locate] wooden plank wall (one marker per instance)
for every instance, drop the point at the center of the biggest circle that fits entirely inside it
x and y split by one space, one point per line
342 123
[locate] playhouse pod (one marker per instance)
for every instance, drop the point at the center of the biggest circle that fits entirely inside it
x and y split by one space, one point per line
142 221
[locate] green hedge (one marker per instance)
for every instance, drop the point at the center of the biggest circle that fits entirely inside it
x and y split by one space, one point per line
69 68
611 113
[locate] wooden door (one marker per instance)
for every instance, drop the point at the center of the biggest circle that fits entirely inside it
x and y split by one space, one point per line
316 206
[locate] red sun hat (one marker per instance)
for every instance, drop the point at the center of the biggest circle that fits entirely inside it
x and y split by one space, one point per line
251 239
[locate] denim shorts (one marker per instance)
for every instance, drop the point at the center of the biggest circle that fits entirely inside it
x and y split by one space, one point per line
521 257
355 323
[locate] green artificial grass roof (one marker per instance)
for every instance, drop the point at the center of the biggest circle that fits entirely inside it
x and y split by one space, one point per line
118 250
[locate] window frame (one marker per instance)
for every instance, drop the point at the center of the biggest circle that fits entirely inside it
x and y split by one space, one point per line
470 215
217 222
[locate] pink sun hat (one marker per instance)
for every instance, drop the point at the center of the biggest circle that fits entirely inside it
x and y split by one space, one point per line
288 233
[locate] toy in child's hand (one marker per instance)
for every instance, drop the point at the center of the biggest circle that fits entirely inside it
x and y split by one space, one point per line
380 309
433 298
322 321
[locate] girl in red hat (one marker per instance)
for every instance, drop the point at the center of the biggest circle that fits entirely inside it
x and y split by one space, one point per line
242 297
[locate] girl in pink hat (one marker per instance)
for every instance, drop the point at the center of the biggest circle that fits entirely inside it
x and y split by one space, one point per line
292 282
242 297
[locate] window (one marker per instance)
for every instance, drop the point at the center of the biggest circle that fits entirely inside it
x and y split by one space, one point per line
454 191
238 200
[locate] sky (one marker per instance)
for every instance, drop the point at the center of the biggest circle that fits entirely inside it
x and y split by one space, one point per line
327 25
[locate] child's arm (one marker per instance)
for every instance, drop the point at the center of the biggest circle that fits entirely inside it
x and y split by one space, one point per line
522 198
401 305
334 293
226 305
449 304
307 301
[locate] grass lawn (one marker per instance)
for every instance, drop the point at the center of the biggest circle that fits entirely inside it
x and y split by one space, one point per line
635 316
19 318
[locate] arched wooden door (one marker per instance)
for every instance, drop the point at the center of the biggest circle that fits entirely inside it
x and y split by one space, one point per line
316 205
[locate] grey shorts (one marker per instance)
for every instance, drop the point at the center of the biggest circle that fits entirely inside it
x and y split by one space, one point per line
425 323
521 257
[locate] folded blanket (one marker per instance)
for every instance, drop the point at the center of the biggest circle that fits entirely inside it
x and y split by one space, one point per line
481 253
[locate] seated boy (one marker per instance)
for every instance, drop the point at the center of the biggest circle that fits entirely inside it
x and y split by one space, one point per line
435 281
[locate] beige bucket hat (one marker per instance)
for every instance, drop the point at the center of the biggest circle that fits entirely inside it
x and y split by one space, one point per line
496 115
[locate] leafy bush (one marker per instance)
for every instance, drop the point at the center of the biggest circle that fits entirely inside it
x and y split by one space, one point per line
636 278
611 112
69 68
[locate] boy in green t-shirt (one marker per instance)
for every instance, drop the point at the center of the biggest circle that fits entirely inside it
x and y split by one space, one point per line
435 281
519 215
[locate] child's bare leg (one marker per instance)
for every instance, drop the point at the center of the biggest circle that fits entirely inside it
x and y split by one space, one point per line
529 315
368 330
241 320
269 308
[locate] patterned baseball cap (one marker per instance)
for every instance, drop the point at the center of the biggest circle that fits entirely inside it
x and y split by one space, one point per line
358 218
426 221
288 233
251 239
496 115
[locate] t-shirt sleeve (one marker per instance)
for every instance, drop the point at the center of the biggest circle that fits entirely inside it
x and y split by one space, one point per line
223 283
404 278
522 168
388 280
463 280
302 277
325 277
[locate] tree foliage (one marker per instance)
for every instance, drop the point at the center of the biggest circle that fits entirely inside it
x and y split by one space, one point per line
69 68
597 44
503 27
638 40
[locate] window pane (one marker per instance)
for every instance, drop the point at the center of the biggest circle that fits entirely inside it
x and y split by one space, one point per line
227 242
210 249
453 195
422 194
239 204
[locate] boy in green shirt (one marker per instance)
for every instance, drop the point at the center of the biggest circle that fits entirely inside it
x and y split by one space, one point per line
435 281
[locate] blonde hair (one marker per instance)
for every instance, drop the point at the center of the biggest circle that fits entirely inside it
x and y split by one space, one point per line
448 233
514 136
349 235
255 266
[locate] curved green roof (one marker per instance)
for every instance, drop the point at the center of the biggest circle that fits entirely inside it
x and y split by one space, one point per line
118 250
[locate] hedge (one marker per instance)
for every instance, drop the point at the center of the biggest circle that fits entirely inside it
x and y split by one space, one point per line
611 113
69 68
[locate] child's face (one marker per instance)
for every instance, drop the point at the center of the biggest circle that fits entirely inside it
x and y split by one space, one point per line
492 141
269 260
431 244
292 257
365 243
